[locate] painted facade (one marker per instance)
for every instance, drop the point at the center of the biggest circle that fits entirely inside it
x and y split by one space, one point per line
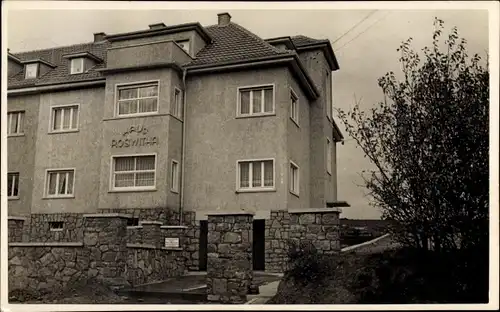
188 145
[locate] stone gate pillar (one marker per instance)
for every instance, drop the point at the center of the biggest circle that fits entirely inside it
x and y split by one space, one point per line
229 262
105 236
15 228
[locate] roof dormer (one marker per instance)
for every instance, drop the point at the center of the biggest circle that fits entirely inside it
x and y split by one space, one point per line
36 68
79 63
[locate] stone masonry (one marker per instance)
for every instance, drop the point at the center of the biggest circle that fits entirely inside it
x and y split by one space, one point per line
106 238
229 268
15 229
72 227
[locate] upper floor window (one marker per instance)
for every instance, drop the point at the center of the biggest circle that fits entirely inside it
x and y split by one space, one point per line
294 178
15 123
13 185
256 175
64 118
328 156
60 182
294 107
31 70
177 104
137 99
184 44
134 172
255 101
77 65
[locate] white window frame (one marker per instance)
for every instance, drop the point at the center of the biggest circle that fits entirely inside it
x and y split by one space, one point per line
174 176
65 106
249 189
177 103
179 42
328 156
295 97
131 85
18 114
36 65
72 68
9 192
295 183
251 113
112 187
47 184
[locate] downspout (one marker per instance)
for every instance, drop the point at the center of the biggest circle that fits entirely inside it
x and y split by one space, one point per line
183 157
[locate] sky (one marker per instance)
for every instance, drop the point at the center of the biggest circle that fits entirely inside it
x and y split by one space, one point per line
364 54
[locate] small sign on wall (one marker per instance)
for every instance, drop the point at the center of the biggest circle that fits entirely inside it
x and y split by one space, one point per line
172 242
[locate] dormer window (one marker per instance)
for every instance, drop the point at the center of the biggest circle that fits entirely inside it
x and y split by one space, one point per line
77 65
184 44
31 70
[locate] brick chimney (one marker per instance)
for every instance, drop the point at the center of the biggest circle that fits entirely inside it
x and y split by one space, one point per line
224 19
99 37
157 26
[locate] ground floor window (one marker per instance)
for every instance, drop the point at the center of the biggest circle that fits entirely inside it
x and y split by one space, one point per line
13 185
256 174
134 172
60 182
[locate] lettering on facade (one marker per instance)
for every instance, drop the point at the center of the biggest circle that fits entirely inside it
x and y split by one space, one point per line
142 140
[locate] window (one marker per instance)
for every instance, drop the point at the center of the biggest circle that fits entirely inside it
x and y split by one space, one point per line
56 225
177 105
133 222
328 156
184 44
137 99
256 101
13 185
64 118
134 172
256 174
294 178
294 107
60 183
174 177
77 65
328 91
31 71
15 124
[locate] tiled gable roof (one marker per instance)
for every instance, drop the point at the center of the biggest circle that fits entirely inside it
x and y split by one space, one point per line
60 73
301 40
233 43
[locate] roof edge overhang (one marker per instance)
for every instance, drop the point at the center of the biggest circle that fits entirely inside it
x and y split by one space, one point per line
38 61
287 41
82 54
14 58
161 31
289 59
327 50
56 87
113 70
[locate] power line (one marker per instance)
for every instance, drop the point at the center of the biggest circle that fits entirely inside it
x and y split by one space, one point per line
383 17
355 25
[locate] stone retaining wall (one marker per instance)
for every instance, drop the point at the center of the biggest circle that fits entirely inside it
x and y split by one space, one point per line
72 229
15 229
167 216
229 268
45 267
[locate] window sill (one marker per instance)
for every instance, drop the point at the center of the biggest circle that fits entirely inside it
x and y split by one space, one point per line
329 172
174 191
295 122
177 117
294 193
13 135
256 190
132 190
255 115
135 116
13 198
56 230
59 197
64 131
